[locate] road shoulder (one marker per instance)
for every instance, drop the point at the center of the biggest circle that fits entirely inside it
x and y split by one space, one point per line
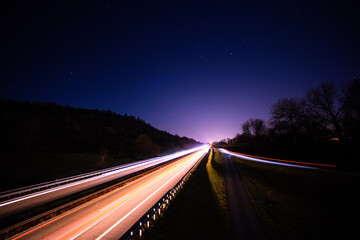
244 222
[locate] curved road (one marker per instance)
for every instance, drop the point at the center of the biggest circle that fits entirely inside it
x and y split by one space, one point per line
27 202
112 214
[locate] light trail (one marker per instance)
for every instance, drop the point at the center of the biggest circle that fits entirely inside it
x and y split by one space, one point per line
275 161
23 203
112 214
105 172
99 215
66 214
152 161
162 186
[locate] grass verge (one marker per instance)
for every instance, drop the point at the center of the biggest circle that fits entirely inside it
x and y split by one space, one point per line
296 203
194 214
215 170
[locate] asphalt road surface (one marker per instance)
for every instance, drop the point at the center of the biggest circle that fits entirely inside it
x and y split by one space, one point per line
244 222
112 214
27 202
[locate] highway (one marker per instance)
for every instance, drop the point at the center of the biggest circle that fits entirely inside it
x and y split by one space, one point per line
29 201
274 161
112 214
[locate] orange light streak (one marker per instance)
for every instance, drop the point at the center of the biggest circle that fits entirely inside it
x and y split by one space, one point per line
113 204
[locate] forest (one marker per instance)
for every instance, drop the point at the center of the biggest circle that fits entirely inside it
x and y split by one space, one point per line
321 126
38 139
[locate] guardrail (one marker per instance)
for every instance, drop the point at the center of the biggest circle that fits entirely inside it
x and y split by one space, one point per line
63 181
147 220
45 185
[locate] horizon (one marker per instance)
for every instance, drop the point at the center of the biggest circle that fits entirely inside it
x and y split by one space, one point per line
187 68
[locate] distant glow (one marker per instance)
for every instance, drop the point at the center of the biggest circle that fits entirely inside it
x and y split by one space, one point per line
158 160
281 162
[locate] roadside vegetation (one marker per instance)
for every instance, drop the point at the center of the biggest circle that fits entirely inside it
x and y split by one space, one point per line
215 170
322 126
195 213
45 141
295 203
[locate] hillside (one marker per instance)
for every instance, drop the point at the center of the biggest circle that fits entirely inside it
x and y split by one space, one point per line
35 134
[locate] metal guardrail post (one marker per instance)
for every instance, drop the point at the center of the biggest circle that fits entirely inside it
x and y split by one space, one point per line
156 209
37 187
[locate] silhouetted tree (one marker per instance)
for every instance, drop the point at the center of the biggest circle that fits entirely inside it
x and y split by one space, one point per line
254 127
103 154
53 128
287 116
351 102
155 149
246 128
143 145
323 103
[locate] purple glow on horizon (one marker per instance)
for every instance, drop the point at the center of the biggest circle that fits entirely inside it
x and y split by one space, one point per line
194 70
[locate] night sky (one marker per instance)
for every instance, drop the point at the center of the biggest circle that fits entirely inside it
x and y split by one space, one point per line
197 69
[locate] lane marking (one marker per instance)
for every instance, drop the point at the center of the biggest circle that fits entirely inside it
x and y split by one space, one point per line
152 162
81 207
124 198
77 209
144 185
123 218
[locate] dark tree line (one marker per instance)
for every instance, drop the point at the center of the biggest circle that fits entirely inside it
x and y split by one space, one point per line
30 127
325 117
324 112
